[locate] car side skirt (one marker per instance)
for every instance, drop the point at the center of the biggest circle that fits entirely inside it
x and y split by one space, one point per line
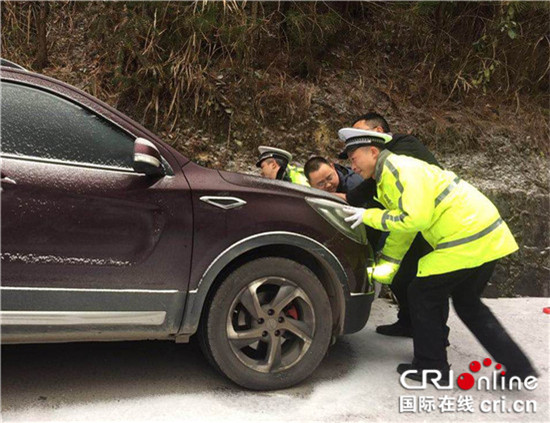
36 315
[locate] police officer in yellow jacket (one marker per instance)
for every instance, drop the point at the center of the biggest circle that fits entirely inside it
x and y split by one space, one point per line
467 235
362 196
274 163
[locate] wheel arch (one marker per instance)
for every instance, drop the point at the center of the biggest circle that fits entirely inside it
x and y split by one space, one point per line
300 248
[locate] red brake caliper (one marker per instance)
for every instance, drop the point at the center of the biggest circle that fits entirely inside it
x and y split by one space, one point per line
292 311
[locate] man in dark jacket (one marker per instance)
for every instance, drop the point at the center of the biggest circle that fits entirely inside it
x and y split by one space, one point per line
331 177
364 195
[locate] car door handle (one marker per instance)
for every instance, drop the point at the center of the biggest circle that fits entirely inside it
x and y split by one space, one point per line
6 180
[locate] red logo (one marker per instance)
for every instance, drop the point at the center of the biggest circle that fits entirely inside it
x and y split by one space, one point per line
466 381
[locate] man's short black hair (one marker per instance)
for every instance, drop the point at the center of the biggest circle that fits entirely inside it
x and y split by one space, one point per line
374 119
313 164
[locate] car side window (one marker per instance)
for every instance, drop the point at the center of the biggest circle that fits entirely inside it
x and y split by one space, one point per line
40 124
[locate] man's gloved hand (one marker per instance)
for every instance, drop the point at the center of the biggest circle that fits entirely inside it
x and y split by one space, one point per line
383 272
356 215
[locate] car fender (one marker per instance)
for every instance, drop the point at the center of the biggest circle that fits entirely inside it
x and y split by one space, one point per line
197 297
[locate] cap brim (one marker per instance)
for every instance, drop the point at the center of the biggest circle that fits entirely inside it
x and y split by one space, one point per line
344 154
346 133
275 152
272 156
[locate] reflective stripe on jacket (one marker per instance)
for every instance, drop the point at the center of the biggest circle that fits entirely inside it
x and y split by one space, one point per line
459 222
296 175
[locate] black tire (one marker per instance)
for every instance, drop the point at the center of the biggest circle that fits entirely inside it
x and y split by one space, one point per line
294 337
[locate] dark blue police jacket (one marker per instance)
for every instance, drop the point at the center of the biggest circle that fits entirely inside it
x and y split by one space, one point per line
348 178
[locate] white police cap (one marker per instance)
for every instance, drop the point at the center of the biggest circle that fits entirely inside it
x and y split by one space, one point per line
354 138
272 152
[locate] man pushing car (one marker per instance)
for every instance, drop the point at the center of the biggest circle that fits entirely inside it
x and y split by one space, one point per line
467 235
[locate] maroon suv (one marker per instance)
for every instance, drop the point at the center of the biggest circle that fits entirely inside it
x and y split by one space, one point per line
110 234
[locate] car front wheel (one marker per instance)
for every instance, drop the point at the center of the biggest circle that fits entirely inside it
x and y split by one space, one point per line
269 324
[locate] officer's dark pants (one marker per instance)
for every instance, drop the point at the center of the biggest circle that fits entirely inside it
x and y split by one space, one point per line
429 303
405 275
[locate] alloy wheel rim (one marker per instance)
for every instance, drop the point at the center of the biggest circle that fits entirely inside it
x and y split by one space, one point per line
271 324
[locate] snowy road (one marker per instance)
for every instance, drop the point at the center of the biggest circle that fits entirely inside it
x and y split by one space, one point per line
357 381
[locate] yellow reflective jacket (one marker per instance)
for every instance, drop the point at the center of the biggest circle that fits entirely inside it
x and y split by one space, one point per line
296 175
459 222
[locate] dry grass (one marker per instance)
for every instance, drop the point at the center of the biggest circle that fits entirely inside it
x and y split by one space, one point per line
230 66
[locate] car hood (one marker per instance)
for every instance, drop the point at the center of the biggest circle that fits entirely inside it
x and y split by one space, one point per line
253 181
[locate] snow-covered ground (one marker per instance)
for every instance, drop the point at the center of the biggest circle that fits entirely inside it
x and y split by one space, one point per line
357 381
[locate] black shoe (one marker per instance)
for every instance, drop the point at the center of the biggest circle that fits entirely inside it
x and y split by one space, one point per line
403 367
444 371
397 329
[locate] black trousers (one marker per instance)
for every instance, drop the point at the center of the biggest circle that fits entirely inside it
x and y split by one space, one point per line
429 303
406 274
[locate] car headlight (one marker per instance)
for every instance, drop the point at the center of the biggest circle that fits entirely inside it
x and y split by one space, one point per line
332 213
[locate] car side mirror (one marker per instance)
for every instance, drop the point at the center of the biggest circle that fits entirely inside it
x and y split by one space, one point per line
147 158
